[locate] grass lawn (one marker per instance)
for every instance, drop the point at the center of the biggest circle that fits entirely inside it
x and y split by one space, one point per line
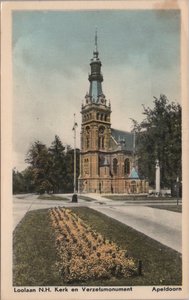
88 199
52 197
161 265
138 198
175 208
124 197
35 253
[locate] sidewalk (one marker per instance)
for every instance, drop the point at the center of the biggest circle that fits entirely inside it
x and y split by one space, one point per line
161 225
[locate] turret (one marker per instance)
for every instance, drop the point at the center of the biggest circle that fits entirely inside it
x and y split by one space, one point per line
95 77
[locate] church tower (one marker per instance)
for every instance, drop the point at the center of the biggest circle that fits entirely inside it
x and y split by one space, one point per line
95 128
106 154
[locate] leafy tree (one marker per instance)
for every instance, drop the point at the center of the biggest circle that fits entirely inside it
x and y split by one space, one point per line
18 186
69 180
41 162
51 169
28 180
159 137
62 171
23 181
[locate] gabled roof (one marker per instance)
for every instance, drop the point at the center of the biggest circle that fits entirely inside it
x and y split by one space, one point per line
123 138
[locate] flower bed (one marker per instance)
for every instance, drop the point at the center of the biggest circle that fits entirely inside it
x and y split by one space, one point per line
84 254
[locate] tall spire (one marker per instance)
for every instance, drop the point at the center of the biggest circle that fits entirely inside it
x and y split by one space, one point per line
95 52
96 40
95 77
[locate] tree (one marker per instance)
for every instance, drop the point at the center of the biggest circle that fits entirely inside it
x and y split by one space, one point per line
28 181
69 180
58 169
159 137
18 185
41 163
51 169
23 181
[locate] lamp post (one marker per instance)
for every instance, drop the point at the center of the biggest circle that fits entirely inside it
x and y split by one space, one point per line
74 130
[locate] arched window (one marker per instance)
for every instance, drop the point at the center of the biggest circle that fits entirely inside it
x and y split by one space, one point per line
87 129
102 142
101 160
101 137
127 167
115 166
105 118
101 117
86 166
97 116
87 142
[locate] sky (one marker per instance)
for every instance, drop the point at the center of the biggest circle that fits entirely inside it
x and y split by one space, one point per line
51 50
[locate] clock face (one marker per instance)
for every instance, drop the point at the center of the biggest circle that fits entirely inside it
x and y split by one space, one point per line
101 129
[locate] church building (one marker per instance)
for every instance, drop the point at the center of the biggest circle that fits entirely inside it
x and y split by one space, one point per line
107 156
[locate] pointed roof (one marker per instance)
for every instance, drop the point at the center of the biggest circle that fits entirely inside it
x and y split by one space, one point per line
96 41
95 52
134 174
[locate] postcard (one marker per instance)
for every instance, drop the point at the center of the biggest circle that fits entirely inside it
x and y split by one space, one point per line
94 150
